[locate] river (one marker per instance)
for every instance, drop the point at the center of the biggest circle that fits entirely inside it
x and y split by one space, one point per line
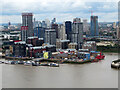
90 75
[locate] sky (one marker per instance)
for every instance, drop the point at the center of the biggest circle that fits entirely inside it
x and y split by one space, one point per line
62 10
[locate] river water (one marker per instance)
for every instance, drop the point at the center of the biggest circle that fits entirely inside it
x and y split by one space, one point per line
91 75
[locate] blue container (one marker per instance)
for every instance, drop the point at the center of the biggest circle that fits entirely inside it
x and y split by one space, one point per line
88 56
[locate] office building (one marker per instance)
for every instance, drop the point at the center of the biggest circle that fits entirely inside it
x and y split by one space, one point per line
85 26
37 24
43 24
114 25
62 44
61 32
47 21
27 26
77 32
55 26
39 32
117 32
90 45
72 45
94 26
76 20
19 49
35 41
118 28
36 52
50 36
68 29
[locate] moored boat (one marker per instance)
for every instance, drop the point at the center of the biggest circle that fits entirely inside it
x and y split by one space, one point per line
115 64
54 65
13 62
28 63
20 62
6 62
0 62
35 64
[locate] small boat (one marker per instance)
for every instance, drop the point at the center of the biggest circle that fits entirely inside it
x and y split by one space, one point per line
13 62
28 63
115 64
6 62
20 62
0 62
35 64
54 65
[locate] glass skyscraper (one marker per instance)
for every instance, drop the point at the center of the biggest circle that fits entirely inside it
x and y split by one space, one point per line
68 29
94 26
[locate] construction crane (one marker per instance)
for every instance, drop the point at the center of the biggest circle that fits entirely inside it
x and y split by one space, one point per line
91 12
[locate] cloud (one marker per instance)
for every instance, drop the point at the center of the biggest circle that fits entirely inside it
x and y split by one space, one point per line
62 9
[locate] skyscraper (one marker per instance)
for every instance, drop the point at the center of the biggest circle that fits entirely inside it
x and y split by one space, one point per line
55 26
47 22
50 36
94 26
85 25
77 32
61 32
27 26
68 29
118 28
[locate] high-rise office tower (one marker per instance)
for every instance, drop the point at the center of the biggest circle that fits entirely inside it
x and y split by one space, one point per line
85 26
55 26
27 26
61 32
118 28
77 32
94 26
68 29
50 36
47 21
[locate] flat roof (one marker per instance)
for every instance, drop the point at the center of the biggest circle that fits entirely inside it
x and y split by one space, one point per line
40 38
27 14
30 45
32 37
21 42
73 43
50 45
65 40
50 30
38 47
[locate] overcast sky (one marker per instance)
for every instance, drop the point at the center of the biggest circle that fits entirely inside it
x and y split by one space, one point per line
62 10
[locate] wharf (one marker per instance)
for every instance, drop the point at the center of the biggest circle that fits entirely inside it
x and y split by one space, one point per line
51 60
17 58
65 61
